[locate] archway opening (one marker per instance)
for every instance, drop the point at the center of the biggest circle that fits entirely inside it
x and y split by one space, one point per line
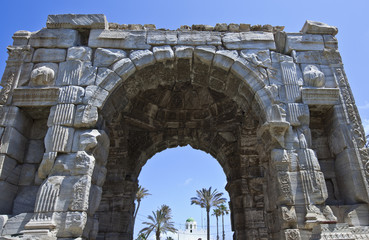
154 110
172 178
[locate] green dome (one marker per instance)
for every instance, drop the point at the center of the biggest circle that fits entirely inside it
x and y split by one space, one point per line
190 220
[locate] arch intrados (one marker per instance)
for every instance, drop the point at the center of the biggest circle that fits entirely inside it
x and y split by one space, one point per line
238 71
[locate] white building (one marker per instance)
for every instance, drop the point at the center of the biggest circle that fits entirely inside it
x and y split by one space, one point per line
191 232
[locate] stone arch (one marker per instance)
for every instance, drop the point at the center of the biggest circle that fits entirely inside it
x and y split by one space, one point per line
159 104
296 105
222 64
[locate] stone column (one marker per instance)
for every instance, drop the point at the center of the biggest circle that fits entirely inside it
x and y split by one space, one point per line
73 167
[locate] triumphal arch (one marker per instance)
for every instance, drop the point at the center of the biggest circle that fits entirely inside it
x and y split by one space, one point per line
85 103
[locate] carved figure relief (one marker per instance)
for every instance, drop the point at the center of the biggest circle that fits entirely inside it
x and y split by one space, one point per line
42 76
313 76
5 91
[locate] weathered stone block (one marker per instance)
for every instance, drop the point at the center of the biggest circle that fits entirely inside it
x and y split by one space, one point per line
49 55
348 173
76 21
61 114
9 191
59 139
118 39
27 174
86 116
79 163
108 79
46 164
94 199
25 200
204 54
71 94
79 53
88 75
330 42
308 57
54 38
163 53
69 73
72 224
185 52
304 42
16 118
162 37
124 68
314 27
340 139
106 57
251 40
74 194
16 224
142 58
35 151
224 59
20 38
320 96
99 175
199 38
45 96
95 96
13 144
8 169
86 140
298 114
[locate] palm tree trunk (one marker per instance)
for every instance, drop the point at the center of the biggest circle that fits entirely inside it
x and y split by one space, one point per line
223 226
208 223
217 229
135 214
157 233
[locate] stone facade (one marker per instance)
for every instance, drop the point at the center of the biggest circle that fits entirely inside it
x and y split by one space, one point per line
85 103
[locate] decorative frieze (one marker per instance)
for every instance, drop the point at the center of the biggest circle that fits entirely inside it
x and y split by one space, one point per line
320 96
47 96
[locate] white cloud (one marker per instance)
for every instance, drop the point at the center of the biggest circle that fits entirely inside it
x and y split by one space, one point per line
187 181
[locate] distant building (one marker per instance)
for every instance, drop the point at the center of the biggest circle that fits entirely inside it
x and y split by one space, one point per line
191 232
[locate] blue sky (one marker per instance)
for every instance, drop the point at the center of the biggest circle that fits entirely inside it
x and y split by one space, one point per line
351 18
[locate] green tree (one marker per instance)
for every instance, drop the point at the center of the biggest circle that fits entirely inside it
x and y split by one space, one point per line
217 213
224 211
207 199
160 222
140 194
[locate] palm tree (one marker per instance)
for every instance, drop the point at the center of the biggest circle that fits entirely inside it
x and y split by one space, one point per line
217 213
159 222
206 199
141 236
140 194
224 211
169 238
